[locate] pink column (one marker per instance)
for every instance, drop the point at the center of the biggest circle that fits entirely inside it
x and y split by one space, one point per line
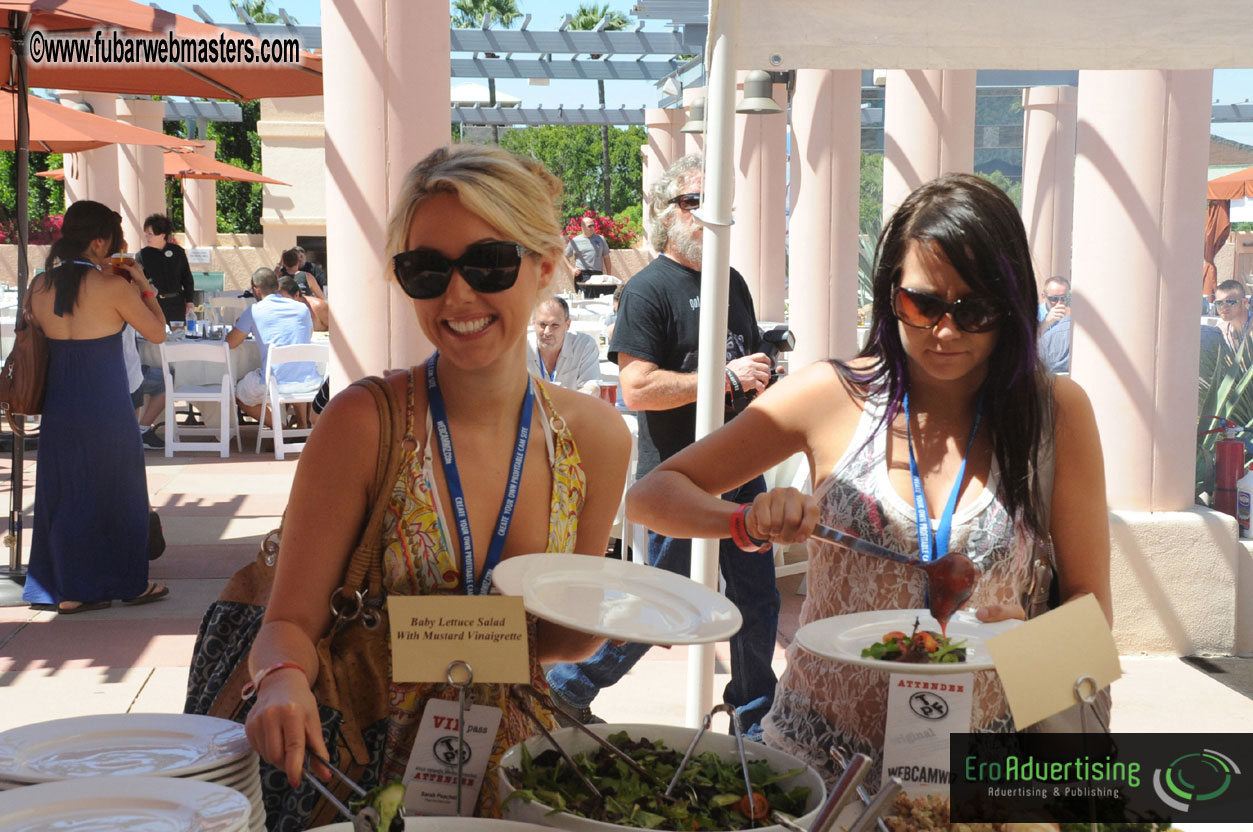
200 205
1048 177
92 174
826 174
1143 145
140 170
757 238
665 145
387 70
928 129
692 142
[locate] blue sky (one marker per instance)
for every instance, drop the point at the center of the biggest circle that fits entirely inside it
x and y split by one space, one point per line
1230 85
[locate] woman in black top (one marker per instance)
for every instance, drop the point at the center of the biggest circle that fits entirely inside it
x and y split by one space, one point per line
165 263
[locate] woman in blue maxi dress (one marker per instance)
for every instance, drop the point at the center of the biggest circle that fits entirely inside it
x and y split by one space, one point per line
89 545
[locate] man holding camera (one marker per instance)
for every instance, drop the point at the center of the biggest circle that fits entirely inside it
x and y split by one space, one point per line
655 343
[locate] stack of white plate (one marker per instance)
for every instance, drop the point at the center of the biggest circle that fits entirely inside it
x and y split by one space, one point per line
184 747
110 804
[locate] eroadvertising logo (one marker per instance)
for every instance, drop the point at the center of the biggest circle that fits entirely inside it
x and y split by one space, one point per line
1195 778
1100 778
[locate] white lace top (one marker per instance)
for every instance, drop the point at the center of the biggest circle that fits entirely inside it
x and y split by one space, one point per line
820 702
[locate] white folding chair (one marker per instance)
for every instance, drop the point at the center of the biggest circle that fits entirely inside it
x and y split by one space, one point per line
200 383
633 536
279 394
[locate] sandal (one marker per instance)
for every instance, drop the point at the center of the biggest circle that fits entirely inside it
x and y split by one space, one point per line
82 607
154 592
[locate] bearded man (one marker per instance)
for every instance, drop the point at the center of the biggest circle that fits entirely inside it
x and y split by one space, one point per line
655 343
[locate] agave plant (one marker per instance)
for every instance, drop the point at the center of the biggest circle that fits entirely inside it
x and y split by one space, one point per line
1223 393
868 243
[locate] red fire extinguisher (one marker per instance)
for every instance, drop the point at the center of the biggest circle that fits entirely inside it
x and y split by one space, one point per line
1229 465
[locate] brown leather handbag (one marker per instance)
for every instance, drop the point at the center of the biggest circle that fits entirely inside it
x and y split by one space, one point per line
354 658
25 375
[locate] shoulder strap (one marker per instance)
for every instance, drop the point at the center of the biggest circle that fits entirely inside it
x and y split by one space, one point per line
365 565
1046 457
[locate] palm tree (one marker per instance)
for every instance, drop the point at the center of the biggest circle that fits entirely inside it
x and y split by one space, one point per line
259 11
585 19
469 14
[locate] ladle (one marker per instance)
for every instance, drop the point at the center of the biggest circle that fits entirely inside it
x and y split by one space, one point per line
950 579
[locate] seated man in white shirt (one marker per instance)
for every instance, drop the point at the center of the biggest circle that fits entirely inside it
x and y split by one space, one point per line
559 356
274 321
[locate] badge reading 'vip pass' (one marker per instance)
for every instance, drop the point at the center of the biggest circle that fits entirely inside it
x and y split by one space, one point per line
430 632
431 776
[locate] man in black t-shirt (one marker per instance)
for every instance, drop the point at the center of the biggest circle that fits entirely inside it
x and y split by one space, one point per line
655 342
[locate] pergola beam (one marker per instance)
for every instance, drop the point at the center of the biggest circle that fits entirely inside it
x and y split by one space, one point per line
565 70
541 116
569 42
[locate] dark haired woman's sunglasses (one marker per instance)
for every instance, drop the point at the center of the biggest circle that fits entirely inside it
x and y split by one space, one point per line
424 273
923 311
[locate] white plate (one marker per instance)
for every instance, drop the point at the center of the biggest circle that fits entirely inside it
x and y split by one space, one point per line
843 637
431 824
169 745
619 600
151 804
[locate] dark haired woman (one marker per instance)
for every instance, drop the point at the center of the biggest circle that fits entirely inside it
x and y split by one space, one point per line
947 398
91 495
165 263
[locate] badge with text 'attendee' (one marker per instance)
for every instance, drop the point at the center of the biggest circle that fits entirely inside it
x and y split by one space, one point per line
922 711
443 744
430 632
1040 661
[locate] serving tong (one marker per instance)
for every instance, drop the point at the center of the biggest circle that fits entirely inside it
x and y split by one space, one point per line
364 820
516 692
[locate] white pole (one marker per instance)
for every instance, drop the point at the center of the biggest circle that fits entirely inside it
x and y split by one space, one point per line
715 215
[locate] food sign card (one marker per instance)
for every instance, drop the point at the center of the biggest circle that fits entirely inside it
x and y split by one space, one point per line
431 632
922 711
1040 660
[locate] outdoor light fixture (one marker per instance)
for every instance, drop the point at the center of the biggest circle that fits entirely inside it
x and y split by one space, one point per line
757 99
695 117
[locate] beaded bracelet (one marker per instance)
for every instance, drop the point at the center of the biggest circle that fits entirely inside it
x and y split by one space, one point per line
145 295
250 688
739 531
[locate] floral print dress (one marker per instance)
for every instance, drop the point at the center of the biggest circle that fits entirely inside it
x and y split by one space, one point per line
417 560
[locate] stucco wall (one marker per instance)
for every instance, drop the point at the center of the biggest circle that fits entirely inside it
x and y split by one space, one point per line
292 136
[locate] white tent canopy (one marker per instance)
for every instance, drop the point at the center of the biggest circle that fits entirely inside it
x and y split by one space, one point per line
985 34
906 34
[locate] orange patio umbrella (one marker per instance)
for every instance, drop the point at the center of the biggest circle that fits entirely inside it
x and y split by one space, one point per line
1220 191
55 128
183 164
193 75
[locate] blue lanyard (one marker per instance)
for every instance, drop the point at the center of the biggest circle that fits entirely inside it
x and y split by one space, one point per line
928 548
543 370
439 417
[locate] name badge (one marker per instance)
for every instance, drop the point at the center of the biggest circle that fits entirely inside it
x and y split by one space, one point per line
431 776
922 712
487 632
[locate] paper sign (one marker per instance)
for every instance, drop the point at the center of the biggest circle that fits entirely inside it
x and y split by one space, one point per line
430 632
199 255
1039 661
431 776
922 712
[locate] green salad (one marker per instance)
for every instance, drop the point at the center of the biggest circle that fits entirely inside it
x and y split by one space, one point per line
709 795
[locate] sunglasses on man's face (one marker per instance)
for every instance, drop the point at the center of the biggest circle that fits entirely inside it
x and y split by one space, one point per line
686 202
1228 302
923 310
424 273
1052 300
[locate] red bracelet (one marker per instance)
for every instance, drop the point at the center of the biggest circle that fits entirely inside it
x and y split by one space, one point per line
146 295
739 532
250 689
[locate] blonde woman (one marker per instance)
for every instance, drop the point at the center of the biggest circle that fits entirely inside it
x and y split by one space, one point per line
474 241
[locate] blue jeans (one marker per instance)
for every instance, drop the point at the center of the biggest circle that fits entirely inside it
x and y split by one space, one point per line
750 585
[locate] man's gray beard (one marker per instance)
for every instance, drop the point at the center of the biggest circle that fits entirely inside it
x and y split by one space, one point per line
686 242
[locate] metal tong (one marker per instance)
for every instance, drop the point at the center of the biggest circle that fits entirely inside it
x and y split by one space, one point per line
729 710
365 820
855 770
